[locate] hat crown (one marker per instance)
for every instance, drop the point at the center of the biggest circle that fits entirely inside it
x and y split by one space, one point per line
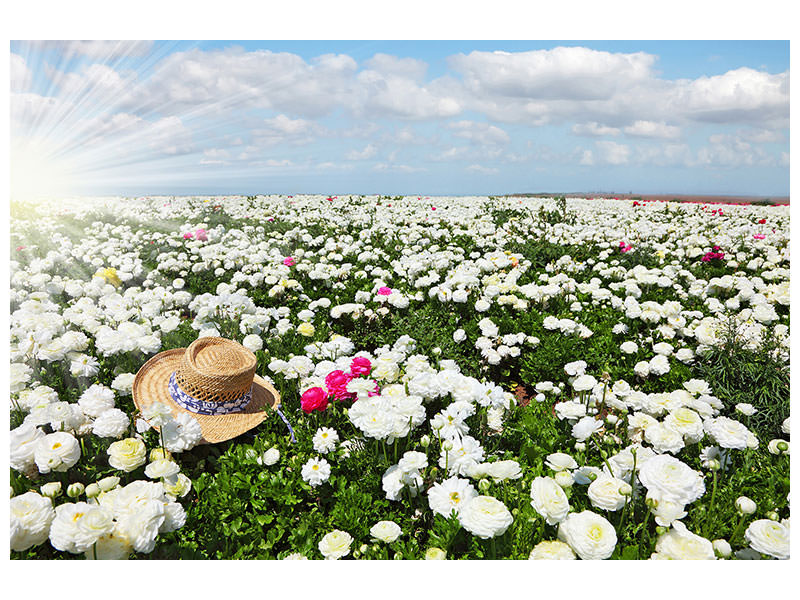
215 369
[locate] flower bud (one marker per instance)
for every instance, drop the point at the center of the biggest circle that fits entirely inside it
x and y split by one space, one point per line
484 485
435 554
159 454
92 490
745 505
580 446
52 489
713 464
75 490
564 479
434 472
721 548
425 441
651 502
591 475
783 446
108 483
612 419
363 548
660 530
773 516
447 445
398 556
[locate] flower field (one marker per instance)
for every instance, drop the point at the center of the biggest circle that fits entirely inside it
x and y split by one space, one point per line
460 378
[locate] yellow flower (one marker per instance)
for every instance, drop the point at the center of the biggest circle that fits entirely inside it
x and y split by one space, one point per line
110 275
306 329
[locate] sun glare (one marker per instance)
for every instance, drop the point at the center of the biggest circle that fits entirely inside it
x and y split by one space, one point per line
36 176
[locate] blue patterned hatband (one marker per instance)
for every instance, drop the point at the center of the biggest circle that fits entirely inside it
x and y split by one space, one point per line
202 407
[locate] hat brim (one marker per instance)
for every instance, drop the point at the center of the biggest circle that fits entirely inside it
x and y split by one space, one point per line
151 382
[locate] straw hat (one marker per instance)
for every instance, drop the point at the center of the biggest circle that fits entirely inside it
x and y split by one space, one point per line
214 381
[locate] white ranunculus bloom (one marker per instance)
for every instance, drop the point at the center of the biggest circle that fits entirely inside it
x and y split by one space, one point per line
253 342
56 452
111 423
591 536
386 531
316 471
78 526
609 493
24 440
558 461
549 500
335 544
727 432
666 477
31 516
681 544
485 517
551 550
127 455
769 537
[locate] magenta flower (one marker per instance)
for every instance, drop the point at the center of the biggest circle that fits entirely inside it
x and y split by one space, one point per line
201 235
188 235
384 291
759 236
288 261
360 366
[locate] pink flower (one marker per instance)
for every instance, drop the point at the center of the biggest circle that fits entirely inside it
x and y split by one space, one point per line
759 236
433 208
384 291
201 235
188 235
19 248
336 382
288 261
314 399
360 366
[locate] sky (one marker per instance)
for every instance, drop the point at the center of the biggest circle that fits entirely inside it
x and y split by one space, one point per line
399 117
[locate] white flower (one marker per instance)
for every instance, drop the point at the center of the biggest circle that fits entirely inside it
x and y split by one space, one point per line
295 556
727 432
450 495
785 426
504 469
485 517
325 440
316 471
24 440
31 516
584 383
681 544
609 493
745 505
551 550
95 400
181 433
127 455
110 546
77 526
123 383
413 461
628 347
162 468
746 409
558 461
111 423
642 368
570 410
157 414
271 456
664 438
549 500
56 452
253 342
335 544
463 454
591 536
583 429
769 537
698 387
386 531
666 477
459 335
177 486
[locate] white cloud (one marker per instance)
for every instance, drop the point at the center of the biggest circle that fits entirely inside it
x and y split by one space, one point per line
407 68
283 129
479 133
397 168
651 129
612 153
168 136
364 154
593 129
587 158
573 73
20 74
390 96
483 170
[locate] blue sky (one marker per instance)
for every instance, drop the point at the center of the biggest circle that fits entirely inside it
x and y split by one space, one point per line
394 117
